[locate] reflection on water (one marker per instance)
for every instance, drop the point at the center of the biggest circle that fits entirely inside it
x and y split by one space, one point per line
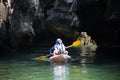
22 67
97 72
60 72
87 60
32 70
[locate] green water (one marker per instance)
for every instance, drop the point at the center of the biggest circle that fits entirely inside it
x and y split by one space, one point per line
23 67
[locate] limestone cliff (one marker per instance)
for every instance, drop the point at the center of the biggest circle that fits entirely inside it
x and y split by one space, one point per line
21 20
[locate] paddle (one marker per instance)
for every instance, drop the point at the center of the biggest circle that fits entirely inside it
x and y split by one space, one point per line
42 57
74 44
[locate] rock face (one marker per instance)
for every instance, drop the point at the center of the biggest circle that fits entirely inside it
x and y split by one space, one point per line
21 20
3 27
16 23
62 18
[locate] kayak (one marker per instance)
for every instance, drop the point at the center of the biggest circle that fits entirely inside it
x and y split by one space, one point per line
62 58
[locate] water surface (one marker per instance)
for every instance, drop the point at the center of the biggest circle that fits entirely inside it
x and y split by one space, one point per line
23 67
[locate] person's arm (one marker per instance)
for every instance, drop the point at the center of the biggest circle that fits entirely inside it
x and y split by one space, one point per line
64 48
56 49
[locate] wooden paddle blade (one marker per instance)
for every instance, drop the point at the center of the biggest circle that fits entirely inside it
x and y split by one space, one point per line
77 43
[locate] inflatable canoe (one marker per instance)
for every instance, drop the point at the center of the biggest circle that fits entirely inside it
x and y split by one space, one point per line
62 58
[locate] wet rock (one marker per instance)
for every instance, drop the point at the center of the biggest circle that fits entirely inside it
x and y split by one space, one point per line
88 46
86 50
